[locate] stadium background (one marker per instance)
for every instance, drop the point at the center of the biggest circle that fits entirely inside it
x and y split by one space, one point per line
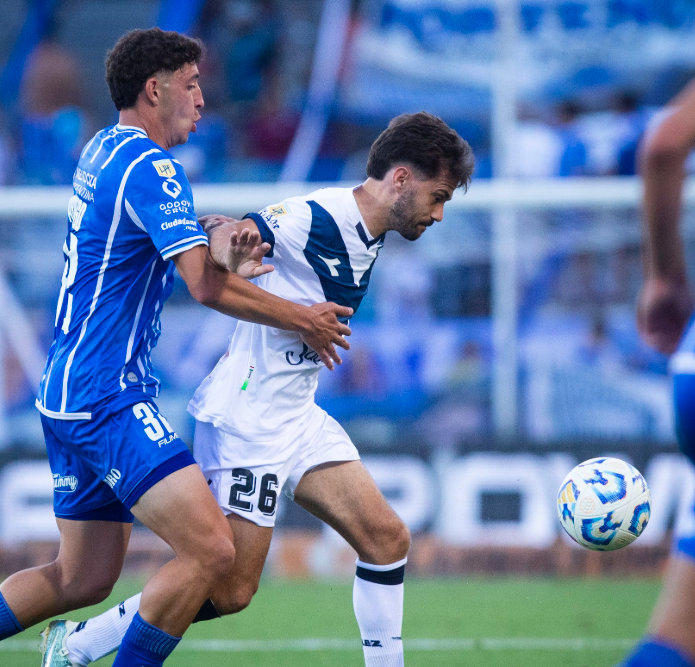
487 358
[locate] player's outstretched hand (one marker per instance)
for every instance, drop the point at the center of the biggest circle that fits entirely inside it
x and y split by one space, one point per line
245 254
235 247
663 310
324 331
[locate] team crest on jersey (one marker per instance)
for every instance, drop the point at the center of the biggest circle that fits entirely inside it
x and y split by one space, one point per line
279 209
164 168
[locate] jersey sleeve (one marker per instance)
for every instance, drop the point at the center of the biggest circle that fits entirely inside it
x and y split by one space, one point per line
283 225
158 199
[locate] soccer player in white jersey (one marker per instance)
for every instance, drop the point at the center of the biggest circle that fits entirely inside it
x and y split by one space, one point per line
258 428
664 309
112 454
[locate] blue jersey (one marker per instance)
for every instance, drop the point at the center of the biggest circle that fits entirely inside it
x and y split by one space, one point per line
131 212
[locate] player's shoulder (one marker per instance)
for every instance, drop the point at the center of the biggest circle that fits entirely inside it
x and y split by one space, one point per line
334 201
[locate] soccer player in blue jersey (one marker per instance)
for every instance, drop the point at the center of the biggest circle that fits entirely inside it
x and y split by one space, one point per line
112 453
664 310
258 429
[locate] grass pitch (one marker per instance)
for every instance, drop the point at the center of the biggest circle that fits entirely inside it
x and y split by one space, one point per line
448 622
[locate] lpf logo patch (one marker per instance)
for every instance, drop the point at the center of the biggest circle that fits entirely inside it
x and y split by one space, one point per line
64 484
278 210
164 168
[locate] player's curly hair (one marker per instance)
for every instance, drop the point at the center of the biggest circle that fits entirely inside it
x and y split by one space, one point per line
141 53
426 143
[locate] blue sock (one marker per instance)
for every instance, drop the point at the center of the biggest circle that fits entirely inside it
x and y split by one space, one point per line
655 653
9 625
144 645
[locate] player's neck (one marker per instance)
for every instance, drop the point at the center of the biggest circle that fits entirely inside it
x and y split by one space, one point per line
372 207
134 118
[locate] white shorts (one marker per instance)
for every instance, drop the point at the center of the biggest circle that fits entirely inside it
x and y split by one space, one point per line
246 476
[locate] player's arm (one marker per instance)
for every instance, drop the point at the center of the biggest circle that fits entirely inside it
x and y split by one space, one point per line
229 293
665 303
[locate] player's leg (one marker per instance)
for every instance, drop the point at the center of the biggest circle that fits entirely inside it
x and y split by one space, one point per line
346 497
238 490
670 640
94 531
84 572
102 635
180 509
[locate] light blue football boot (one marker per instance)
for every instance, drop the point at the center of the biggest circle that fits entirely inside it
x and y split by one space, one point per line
55 653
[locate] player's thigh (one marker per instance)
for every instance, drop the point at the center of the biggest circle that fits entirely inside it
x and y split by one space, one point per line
182 511
92 552
674 615
345 496
235 591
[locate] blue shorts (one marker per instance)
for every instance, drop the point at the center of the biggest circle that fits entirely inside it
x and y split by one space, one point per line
102 466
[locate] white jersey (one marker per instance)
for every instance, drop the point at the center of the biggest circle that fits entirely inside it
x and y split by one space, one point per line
267 379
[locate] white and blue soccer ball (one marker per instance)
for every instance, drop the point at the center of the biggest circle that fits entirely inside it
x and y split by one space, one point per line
604 504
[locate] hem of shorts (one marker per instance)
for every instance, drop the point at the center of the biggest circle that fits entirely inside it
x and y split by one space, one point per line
81 515
226 510
66 416
164 469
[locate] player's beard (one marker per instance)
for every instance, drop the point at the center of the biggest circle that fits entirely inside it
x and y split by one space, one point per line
402 217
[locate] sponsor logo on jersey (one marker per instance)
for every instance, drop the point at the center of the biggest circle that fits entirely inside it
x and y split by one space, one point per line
172 187
175 207
164 168
66 484
113 477
307 354
177 222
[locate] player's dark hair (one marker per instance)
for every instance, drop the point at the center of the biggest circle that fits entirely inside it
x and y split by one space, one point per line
426 143
141 53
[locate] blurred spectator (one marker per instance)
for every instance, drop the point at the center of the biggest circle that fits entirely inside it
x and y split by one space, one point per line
255 47
538 148
361 373
573 155
599 349
611 136
54 124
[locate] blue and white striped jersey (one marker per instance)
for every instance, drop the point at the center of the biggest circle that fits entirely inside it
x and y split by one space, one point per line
322 251
131 212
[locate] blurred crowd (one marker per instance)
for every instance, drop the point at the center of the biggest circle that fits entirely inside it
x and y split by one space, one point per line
255 76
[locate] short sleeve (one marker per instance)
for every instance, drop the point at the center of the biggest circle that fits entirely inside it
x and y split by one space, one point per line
158 199
283 225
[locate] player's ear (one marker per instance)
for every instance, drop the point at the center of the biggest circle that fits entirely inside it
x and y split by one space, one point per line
151 90
400 177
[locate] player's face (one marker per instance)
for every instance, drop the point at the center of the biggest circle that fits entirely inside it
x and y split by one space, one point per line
181 99
420 206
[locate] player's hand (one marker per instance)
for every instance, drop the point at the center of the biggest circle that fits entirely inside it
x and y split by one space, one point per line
663 310
324 331
245 254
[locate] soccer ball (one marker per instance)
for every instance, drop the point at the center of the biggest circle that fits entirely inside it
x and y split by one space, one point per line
604 504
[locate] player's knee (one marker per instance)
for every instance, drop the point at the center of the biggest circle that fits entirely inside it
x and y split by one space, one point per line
216 559
84 588
388 544
236 600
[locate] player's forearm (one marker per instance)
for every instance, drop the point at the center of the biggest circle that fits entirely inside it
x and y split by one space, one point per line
663 173
234 296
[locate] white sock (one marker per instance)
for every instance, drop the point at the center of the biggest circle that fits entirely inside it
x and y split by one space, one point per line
377 597
102 634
